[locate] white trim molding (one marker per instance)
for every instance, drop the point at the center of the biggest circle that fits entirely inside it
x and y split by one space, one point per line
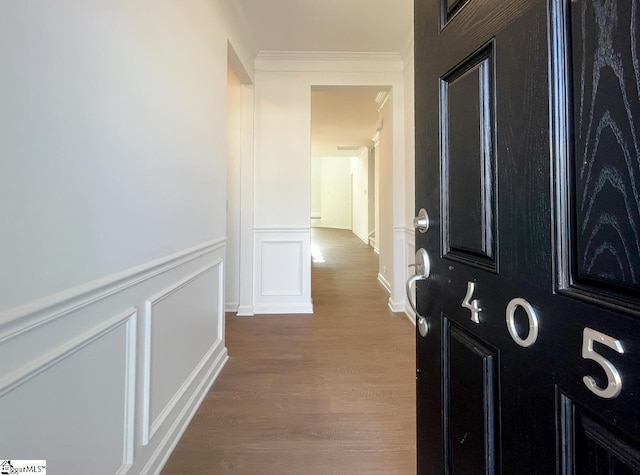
384 282
18 320
245 311
231 307
364 239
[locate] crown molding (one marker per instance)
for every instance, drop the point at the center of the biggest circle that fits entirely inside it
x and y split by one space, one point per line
328 61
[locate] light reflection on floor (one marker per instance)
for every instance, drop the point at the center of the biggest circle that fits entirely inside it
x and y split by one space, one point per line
316 254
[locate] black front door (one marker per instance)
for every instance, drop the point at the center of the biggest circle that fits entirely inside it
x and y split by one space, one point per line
528 165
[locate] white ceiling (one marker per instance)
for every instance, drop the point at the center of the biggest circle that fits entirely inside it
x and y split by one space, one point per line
342 116
380 26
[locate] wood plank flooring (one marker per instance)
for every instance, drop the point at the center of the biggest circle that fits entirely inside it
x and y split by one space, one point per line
323 394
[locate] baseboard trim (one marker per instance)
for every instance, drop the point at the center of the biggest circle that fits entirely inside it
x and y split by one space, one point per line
174 434
331 226
384 283
231 307
24 318
285 308
410 316
245 311
396 308
281 229
361 237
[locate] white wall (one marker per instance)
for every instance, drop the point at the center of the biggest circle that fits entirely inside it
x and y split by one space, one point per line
234 156
372 191
316 192
247 193
282 148
331 182
112 133
384 236
282 178
283 163
339 193
376 193
360 198
409 122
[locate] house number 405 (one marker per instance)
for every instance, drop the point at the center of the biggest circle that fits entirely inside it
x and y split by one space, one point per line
589 336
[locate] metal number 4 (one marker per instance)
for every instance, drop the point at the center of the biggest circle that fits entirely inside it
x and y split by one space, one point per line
472 305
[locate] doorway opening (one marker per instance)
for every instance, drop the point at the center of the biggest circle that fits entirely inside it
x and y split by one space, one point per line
351 168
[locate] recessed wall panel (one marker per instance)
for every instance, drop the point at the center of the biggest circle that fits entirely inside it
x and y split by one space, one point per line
183 325
74 405
282 267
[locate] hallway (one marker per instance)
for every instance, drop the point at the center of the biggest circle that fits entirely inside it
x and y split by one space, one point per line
331 393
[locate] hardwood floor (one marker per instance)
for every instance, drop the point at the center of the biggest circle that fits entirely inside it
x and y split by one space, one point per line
329 393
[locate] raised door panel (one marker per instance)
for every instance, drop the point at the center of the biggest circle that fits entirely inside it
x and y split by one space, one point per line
590 446
602 48
470 391
468 164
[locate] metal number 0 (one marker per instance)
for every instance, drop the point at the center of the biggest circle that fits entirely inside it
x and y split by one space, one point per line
614 381
511 322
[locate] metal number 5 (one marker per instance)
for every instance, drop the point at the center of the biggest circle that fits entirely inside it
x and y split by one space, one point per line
614 380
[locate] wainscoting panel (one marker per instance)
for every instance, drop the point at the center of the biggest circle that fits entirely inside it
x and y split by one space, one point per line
74 406
104 378
279 279
182 331
282 270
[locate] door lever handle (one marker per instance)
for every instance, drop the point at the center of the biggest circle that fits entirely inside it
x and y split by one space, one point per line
423 269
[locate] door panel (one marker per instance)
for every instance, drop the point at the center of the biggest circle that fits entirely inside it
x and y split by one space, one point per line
603 46
466 112
470 410
528 163
589 447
